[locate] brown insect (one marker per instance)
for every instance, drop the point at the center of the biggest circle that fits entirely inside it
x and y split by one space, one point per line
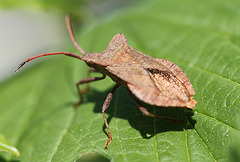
154 81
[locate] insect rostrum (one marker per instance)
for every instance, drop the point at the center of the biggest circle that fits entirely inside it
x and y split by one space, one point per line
154 81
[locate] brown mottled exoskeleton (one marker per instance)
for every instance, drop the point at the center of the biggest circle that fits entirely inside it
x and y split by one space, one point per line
154 81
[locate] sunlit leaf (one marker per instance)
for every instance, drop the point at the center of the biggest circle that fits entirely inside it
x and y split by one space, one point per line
5 146
201 37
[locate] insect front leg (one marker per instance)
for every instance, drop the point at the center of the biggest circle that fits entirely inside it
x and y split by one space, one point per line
83 81
104 108
86 89
147 113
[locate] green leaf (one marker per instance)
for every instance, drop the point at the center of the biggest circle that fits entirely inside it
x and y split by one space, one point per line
5 146
201 37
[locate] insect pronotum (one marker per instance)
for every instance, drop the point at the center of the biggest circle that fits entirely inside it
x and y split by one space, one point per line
154 81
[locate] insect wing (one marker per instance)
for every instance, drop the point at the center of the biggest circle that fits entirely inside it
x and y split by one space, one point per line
153 86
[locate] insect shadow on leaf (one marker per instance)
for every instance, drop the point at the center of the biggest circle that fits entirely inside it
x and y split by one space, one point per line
123 107
154 81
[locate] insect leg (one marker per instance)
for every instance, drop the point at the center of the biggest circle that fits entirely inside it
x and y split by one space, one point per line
104 108
87 80
147 113
92 70
86 89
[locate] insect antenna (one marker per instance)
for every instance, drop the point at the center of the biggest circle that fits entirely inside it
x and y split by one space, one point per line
47 54
69 27
68 22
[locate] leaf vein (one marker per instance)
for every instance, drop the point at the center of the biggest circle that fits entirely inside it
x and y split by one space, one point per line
205 145
120 142
62 136
218 121
217 74
187 151
155 137
206 105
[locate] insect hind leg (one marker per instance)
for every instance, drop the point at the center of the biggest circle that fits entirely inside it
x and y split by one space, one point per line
147 113
104 108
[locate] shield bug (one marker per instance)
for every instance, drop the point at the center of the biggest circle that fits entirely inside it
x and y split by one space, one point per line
154 81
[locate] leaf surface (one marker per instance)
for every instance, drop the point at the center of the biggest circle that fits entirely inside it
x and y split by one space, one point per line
5 146
201 37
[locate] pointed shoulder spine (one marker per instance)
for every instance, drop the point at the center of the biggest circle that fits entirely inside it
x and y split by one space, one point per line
117 42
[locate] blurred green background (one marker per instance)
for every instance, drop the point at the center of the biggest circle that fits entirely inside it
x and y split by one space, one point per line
42 25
